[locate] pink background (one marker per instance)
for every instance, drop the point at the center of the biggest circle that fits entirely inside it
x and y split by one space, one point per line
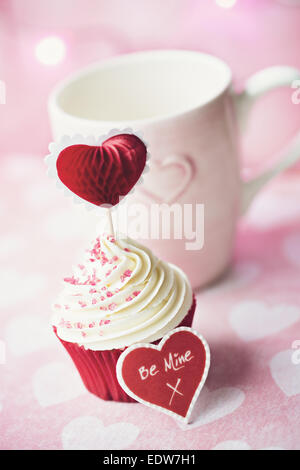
250 319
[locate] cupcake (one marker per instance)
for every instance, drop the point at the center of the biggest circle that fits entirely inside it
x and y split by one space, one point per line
119 295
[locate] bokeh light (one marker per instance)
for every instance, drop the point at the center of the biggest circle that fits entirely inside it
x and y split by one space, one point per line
226 3
50 50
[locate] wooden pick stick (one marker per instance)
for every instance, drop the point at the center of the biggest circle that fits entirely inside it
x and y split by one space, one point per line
110 223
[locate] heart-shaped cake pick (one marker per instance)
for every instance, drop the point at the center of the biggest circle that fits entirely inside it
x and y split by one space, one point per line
168 377
103 172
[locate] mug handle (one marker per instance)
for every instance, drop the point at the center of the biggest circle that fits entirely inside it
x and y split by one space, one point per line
256 86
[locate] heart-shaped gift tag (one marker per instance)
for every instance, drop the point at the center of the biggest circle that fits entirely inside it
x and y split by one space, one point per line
101 174
169 376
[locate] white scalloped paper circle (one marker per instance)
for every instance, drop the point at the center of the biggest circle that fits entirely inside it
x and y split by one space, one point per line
66 141
158 347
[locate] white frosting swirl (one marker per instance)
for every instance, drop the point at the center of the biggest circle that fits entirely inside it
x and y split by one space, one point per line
121 294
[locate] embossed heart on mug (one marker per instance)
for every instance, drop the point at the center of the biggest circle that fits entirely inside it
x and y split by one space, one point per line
169 376
167 180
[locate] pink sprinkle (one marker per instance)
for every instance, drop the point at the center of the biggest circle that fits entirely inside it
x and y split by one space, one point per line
126 273
91 325
80 266
102 297
103 288
126 249
108 273
83 333
104 258
92 291
94 301
67 307
129 299
104 322
136 292
115 258
71 280
112 306
82 303
96 250
79 325
109 294
114 267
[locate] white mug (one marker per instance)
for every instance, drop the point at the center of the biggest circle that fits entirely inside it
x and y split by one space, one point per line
185 107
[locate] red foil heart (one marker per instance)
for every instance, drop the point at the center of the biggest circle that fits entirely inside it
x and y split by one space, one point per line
102 174
168 376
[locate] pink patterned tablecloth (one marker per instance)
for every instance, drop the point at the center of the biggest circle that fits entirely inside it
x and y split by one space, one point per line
251 320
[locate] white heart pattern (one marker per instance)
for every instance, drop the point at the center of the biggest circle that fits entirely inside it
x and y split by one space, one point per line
253 320
239 445
286 373
56 383
213 405
88 433
291 249
232 445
